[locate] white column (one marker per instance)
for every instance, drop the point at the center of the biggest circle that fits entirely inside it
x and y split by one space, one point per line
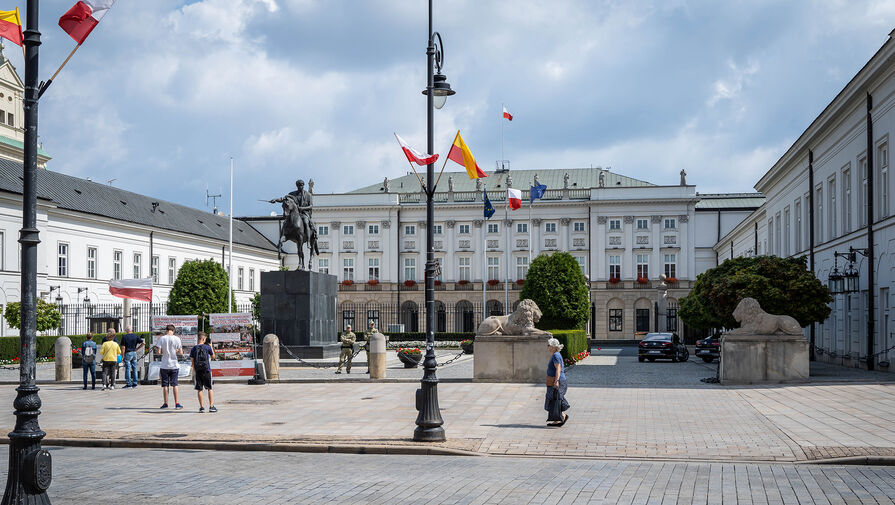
360 244
628 258
335 244
688 245
597 237
450 246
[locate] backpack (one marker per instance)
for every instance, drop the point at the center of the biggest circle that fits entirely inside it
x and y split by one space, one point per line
89 354
202 361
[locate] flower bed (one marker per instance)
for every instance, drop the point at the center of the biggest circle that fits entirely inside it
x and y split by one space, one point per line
409 283
575 358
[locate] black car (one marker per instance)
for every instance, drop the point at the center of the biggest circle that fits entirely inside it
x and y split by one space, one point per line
662 346
709 348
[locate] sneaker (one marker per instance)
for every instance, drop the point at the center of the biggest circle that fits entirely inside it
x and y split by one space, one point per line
112 387
126 386
178 406
85 387
201 409
212 409
105 388
338 371
164 406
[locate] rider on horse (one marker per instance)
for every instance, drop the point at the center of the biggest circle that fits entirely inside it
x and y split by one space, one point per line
297 214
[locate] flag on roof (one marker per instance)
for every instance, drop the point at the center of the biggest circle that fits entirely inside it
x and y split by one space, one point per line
83 17
514 197
489 209
461 154
11 26
415 156
135 289
537 191
507 115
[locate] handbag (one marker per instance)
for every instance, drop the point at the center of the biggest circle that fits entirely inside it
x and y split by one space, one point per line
551 381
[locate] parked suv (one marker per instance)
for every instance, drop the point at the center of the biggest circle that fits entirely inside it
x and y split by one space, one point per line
709 348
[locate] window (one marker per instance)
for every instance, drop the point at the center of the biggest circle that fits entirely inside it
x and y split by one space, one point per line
643 224
10 120
615 267
347 229
671 319
464 268
670 223
819 225
641 320
521 267
2 117
373 269
831 194
251 279
777 230
643 266
882 160
240 276
493 228
493 267
582 263
798 217
771 236
578 226
138 265
615 224
786 230
153 267
62 256
436 229
463 229
846 200
615 319
323 230
671 265
323 265
348 269
521 227
410 229
806 220
862 195
550 227
373 229
409 269
116 264
348 319
91 263
172 269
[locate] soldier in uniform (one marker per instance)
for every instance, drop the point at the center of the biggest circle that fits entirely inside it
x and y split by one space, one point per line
347 338
367 334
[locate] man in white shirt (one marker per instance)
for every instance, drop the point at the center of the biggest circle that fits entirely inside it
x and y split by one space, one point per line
171 347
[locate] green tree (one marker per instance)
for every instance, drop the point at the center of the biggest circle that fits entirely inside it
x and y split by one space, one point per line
556 284
201 288
256 307
48 316
781 286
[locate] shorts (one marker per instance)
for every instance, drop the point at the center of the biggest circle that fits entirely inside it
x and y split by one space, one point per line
202 380
168 376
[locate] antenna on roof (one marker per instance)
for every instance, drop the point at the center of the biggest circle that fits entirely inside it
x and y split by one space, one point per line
110 181
214 199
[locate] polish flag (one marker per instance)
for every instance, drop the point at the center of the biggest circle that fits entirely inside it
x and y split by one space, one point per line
414 156
514 196
507 114
135 289
83 17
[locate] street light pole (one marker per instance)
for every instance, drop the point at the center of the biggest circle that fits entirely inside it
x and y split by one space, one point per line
30 468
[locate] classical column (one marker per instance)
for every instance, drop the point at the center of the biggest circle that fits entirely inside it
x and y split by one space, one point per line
598 254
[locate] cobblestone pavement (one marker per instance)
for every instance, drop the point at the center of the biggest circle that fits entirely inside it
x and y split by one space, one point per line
199 477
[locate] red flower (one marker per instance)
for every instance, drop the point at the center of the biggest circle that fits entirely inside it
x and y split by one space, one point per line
437 282
493 282
520 281
373 282
614 280
409 283
642 280
463 282
347 282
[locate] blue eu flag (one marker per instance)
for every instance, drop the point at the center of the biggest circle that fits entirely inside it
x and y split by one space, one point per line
489 209
537 192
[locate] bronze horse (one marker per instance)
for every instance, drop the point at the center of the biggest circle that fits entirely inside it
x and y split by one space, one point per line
295 230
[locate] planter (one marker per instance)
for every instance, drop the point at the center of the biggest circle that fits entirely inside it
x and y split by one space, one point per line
410 360
76 361
467 347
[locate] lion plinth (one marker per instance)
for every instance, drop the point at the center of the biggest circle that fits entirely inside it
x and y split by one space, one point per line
520 322
755 321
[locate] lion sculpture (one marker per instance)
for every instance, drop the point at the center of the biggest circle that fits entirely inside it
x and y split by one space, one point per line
520 322
755 321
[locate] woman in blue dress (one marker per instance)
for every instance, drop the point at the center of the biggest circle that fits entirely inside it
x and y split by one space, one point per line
555 402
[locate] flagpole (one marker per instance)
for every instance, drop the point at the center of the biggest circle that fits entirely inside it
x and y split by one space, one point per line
501 137
531 233
484 260
506 285
230 259
50 80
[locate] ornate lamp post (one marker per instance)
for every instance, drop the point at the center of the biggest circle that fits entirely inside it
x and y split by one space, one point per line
429 421
30 468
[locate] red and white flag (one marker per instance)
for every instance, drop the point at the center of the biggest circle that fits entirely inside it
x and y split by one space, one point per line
83 17
414 156
135 289
506 114
514 196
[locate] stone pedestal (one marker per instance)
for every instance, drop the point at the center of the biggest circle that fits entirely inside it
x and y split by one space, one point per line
300 308
271 353
63 359
763 359
376 356
511 358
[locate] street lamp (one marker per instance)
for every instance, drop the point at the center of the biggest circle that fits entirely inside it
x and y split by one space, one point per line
429 421
836 281
30 469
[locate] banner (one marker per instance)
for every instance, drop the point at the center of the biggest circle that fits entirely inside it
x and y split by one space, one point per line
232 336
185 327
233 368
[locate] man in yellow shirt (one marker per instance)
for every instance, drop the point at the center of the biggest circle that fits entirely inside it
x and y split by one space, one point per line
109 353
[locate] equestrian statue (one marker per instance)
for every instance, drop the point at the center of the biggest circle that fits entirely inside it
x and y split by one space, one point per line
298 226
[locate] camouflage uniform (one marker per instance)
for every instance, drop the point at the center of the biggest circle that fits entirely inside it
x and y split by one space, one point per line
347 338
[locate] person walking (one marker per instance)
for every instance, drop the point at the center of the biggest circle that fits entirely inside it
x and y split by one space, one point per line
109 352
348 338
201 356
88 360
132 343
555 402
369 333
170 347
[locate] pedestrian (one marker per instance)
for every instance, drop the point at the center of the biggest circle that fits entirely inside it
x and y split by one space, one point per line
170 347
88 360
110 351
347 353
132 343
201 356
367 335
111 331
555 402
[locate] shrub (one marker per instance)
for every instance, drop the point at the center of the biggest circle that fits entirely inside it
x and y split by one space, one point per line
48 316
556 284
417 336
201 288
573 341
46 346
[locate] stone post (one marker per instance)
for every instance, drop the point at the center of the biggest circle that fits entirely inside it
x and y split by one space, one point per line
272 356
376 355
63 359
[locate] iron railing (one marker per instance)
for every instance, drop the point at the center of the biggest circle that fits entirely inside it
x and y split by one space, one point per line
74 316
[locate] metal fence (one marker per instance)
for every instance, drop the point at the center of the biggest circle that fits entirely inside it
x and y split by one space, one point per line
457 317
77 317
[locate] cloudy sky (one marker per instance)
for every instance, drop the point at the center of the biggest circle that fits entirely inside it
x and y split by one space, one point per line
164 92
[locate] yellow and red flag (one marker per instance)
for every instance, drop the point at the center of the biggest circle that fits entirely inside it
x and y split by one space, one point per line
11 26
462 155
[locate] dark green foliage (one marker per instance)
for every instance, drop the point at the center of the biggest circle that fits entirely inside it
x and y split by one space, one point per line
573 341
201 288
781 286
556 284
256 307
48 316
46 346
420 336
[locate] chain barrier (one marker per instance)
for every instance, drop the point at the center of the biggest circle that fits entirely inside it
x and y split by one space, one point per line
455 358
833 354
317 365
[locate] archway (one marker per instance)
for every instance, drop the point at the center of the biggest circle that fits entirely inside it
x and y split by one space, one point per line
464 317
642 314
410 316
615 310
494 308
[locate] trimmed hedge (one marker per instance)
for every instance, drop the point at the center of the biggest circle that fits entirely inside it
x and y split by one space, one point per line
46 346
573 341
416 336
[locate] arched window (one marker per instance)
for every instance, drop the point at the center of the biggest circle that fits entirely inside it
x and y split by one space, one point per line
494 308
410 316
440 317
464 317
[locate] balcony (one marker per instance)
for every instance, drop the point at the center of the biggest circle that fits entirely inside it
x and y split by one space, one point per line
495 286
347 287
440 287
615 285
643 285
373 287
469 286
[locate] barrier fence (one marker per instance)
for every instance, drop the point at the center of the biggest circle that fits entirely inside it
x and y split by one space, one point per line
460 317
79 318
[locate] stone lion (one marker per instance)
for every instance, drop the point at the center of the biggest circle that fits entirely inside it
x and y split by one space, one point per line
755 321
520 322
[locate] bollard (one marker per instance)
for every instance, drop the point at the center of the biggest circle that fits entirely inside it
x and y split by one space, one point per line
63 359
272 356
376 355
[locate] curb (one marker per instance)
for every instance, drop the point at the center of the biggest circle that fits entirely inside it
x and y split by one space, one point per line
855 460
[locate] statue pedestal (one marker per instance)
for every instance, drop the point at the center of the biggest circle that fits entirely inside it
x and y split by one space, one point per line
299 307
511 358
763 359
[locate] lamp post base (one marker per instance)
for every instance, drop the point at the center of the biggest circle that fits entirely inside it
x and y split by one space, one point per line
434 434
30 467
429 421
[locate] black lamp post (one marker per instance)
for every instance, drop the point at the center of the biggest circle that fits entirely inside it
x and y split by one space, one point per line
429 421
30 469
846 281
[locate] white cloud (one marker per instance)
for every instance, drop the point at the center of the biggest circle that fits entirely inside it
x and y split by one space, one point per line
731 87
